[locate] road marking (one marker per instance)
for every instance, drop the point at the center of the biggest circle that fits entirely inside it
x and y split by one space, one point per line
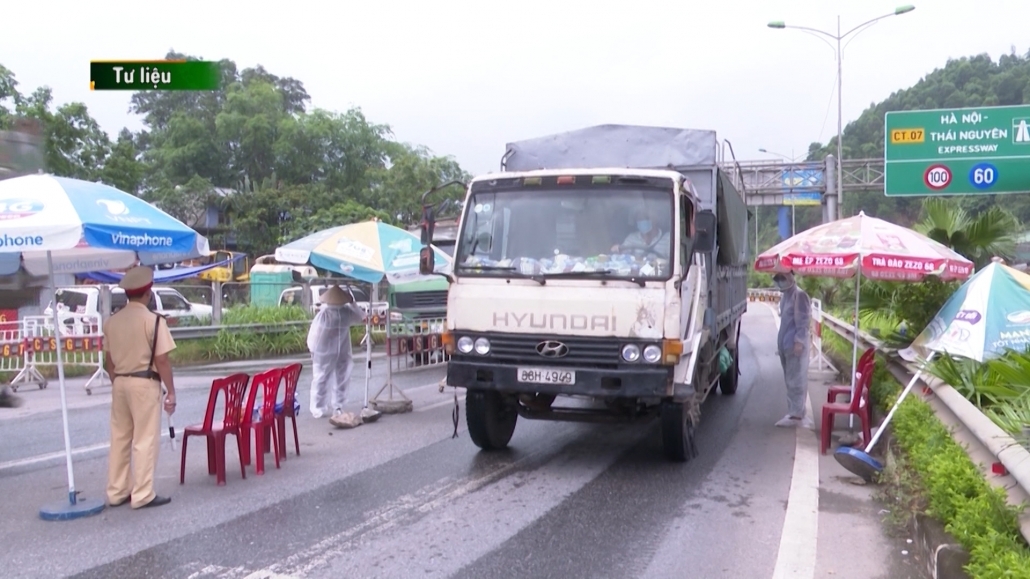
56 455
798 541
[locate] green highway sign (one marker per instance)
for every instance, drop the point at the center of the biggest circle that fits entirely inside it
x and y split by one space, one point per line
969 151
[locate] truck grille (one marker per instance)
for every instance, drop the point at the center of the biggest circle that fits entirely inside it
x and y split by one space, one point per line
430 299
521 349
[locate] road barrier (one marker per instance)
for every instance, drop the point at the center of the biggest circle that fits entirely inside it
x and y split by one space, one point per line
411 345
82 344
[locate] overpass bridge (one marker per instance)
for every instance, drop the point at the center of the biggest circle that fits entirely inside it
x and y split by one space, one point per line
809 183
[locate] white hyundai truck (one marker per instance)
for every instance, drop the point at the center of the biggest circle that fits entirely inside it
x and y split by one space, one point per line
606 264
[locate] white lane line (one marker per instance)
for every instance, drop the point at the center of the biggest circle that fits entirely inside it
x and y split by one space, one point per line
796 558
56 455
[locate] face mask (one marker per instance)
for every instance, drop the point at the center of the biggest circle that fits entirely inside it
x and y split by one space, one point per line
783 285
644 226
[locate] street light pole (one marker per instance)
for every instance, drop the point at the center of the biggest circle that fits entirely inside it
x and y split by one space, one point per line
840 83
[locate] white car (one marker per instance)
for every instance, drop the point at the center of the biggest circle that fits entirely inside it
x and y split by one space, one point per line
79 306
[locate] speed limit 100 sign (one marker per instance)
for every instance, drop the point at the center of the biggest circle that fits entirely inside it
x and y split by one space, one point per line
937 177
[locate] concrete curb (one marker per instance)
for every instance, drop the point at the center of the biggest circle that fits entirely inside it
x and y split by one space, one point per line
943 557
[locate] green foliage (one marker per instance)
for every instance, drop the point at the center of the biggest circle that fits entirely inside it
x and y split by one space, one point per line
759 280
956 493
974 380
988 234
231 344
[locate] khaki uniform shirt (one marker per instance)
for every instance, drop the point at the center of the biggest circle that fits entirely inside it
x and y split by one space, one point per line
127 337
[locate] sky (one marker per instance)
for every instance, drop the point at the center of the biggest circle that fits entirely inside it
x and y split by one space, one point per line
465 77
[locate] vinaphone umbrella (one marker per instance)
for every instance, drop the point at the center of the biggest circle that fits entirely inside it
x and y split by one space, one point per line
369 251
987 316
62 225
864 246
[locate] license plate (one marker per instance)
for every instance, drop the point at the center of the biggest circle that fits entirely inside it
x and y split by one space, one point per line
546 376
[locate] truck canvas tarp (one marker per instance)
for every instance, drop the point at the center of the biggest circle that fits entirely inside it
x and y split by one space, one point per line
694 153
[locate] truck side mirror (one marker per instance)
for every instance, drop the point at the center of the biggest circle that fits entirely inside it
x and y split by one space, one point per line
426 260
428 224
705 224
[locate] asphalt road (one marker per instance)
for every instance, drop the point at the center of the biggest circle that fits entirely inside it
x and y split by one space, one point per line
402 498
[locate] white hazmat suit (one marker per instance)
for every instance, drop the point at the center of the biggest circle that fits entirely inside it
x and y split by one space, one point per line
332 358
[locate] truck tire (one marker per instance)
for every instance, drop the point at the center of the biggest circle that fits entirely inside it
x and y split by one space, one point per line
491 419
728 380
678 441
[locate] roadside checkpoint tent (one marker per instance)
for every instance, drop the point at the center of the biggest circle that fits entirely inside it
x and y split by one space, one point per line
370 251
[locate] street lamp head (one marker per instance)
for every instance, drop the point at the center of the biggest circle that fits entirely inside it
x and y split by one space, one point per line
762 151
903 9
777 24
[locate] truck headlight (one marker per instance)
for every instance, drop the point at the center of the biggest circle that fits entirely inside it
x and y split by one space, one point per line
482 346
465 344
631 352
652 354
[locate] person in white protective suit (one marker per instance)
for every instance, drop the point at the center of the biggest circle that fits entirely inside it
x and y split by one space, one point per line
331 356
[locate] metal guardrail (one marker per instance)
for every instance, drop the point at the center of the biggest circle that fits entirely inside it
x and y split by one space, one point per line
1005 449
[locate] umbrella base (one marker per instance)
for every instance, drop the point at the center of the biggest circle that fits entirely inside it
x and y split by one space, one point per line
392 406
858 462
66 511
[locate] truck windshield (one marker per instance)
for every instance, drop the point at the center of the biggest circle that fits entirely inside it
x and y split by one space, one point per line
615 231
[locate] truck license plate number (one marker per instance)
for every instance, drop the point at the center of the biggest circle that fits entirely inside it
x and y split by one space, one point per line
545 376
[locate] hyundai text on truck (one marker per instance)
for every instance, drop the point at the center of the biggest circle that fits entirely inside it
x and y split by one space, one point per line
608 263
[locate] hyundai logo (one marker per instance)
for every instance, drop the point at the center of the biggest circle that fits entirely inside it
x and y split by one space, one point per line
552 349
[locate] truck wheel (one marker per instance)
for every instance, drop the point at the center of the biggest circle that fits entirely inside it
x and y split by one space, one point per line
678 440
491 419
728 380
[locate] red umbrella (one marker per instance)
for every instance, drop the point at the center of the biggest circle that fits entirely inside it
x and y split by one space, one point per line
876 248
873 247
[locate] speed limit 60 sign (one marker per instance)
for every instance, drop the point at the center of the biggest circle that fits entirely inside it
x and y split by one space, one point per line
937 177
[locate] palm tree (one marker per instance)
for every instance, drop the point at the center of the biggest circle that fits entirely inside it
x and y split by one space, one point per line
977 237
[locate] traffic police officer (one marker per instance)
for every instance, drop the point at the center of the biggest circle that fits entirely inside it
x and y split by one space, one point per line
136 346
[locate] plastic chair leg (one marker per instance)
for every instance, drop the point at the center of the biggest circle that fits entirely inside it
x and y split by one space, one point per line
210 455
825 430
220 461
182 465
277 450
296 440
239 452
259 451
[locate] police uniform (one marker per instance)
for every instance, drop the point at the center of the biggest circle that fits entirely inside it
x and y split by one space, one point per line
136 395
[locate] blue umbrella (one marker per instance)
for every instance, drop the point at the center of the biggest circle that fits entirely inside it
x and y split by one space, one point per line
75 226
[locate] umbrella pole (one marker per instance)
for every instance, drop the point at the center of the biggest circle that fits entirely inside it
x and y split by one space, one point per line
854 345
74 508
368 339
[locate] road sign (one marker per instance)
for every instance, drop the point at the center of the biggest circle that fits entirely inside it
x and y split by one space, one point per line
968 151
802 178
802 199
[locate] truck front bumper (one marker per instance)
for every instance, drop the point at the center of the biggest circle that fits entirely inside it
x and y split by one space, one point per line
639 382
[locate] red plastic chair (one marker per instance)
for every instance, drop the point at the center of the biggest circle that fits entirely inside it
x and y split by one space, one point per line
858 406
268 383
291 376
867 357
215 432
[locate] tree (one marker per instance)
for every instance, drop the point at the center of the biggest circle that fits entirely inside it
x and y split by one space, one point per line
123 168
75 145
979 237
9 97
